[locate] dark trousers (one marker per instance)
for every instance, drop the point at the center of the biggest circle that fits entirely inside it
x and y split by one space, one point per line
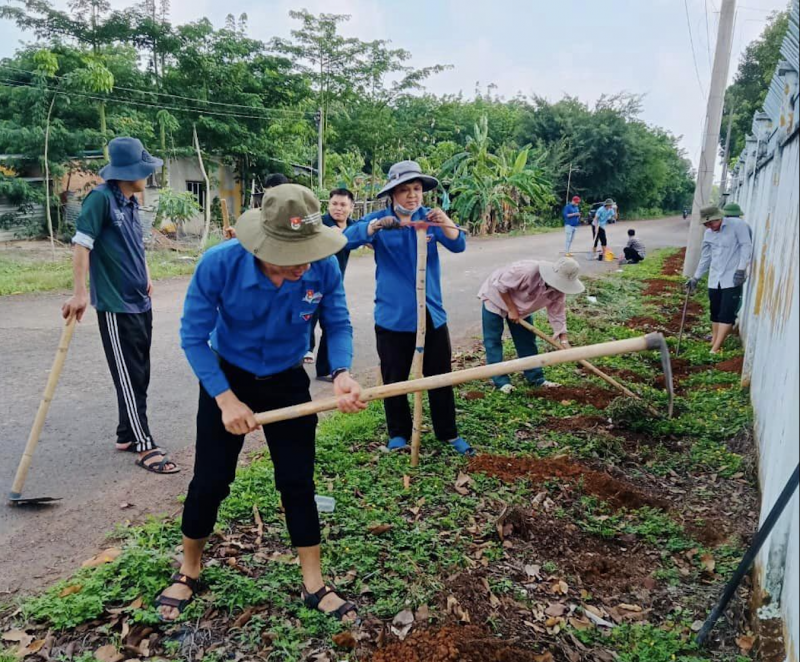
396 353
291 447
631 255
323 363
599 235
524 342
126 341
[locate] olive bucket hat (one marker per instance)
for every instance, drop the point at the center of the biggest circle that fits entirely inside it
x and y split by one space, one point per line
733 209
710 213
288 229
407 171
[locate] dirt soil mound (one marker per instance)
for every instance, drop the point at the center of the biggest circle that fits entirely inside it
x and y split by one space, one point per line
615 492
587 395
453 644
673 265
575 423
731 365
657 287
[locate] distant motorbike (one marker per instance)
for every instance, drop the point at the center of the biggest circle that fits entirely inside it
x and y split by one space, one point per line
685 214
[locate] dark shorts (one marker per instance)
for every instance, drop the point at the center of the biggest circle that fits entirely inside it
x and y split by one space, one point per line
599 236
725 303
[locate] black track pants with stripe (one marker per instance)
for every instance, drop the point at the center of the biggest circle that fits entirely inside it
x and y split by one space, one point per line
126 341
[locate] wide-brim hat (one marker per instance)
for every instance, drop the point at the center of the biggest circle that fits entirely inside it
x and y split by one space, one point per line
562 275
129 161
288 229
608 201
711 213
732 209
407 171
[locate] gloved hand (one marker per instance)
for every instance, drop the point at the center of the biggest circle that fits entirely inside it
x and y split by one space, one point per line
739 277
691 285
385 223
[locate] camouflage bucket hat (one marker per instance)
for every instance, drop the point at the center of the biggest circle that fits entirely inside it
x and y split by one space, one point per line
710 213
288 228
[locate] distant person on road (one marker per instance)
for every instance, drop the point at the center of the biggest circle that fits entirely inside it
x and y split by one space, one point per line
244 331
340 206
572 219
725 255
109 246
396 299
514 293
602 217
634 251
273 180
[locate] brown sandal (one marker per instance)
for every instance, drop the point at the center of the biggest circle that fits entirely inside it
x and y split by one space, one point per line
312 600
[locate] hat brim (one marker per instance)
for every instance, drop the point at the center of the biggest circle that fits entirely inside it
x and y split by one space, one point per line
428 183
131 173
560 283
305 249
711 220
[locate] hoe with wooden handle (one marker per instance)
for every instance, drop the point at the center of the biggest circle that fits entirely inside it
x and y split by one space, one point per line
15 497
588 366
419 345
652 341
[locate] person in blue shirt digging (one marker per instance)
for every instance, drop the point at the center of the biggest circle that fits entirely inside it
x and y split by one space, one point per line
244 330
395 298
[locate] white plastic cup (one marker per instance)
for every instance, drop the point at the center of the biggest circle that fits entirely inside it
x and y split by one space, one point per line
325 504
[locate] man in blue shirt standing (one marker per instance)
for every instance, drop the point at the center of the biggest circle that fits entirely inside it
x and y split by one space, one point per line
395 248
572 219
244 330
340 206
108 244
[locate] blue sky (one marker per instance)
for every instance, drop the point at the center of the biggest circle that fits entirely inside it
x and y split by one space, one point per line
579 47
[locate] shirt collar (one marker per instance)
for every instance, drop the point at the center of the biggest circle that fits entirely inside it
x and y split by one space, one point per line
122 201
252 275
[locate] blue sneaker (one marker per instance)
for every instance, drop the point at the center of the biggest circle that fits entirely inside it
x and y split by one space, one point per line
462 447
397 443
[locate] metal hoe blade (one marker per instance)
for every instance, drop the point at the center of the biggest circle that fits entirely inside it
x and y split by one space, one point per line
683 321
18 500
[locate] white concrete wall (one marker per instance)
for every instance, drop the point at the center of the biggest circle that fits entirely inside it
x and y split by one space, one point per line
769 192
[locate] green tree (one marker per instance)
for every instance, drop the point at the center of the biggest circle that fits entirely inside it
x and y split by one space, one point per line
745 96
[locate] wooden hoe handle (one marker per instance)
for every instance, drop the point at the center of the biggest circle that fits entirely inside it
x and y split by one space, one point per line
652 341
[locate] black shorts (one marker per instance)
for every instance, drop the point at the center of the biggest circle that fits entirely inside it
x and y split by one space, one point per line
599 236
725 303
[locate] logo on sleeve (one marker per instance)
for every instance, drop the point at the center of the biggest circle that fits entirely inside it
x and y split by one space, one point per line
312 297
119 216
306 316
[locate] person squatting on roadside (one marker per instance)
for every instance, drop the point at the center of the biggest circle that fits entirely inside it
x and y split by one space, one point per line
109 245
572 219
725 255
340 206
634 251
514 293
254 298
395 298
601 219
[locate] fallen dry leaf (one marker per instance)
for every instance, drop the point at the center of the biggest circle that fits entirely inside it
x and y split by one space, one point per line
556 609
422 614
108 653
106 556
697 626
344 640
18 636
259 524
243 619
745 643
406 482
137 603
533 571
708 562
405 617
628 607
544 657
31 648
379 529
580 623
69 590
463 483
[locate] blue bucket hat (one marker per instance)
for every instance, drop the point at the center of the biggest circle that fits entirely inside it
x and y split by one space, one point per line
130 161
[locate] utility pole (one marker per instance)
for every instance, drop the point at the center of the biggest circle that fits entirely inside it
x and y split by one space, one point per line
318 118
569 181
705 170
723 184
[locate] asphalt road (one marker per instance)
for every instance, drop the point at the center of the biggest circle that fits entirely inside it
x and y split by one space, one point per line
75 458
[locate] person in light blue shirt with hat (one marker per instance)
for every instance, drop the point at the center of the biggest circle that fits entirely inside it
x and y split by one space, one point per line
395 245
109 247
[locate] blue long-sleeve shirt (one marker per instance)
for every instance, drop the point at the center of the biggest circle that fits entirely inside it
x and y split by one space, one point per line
395 270
233 309
574 221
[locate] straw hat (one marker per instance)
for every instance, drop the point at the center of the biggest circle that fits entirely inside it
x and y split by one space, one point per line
562 275
288 229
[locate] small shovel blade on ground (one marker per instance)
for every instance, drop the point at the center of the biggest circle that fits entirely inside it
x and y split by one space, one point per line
15 497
